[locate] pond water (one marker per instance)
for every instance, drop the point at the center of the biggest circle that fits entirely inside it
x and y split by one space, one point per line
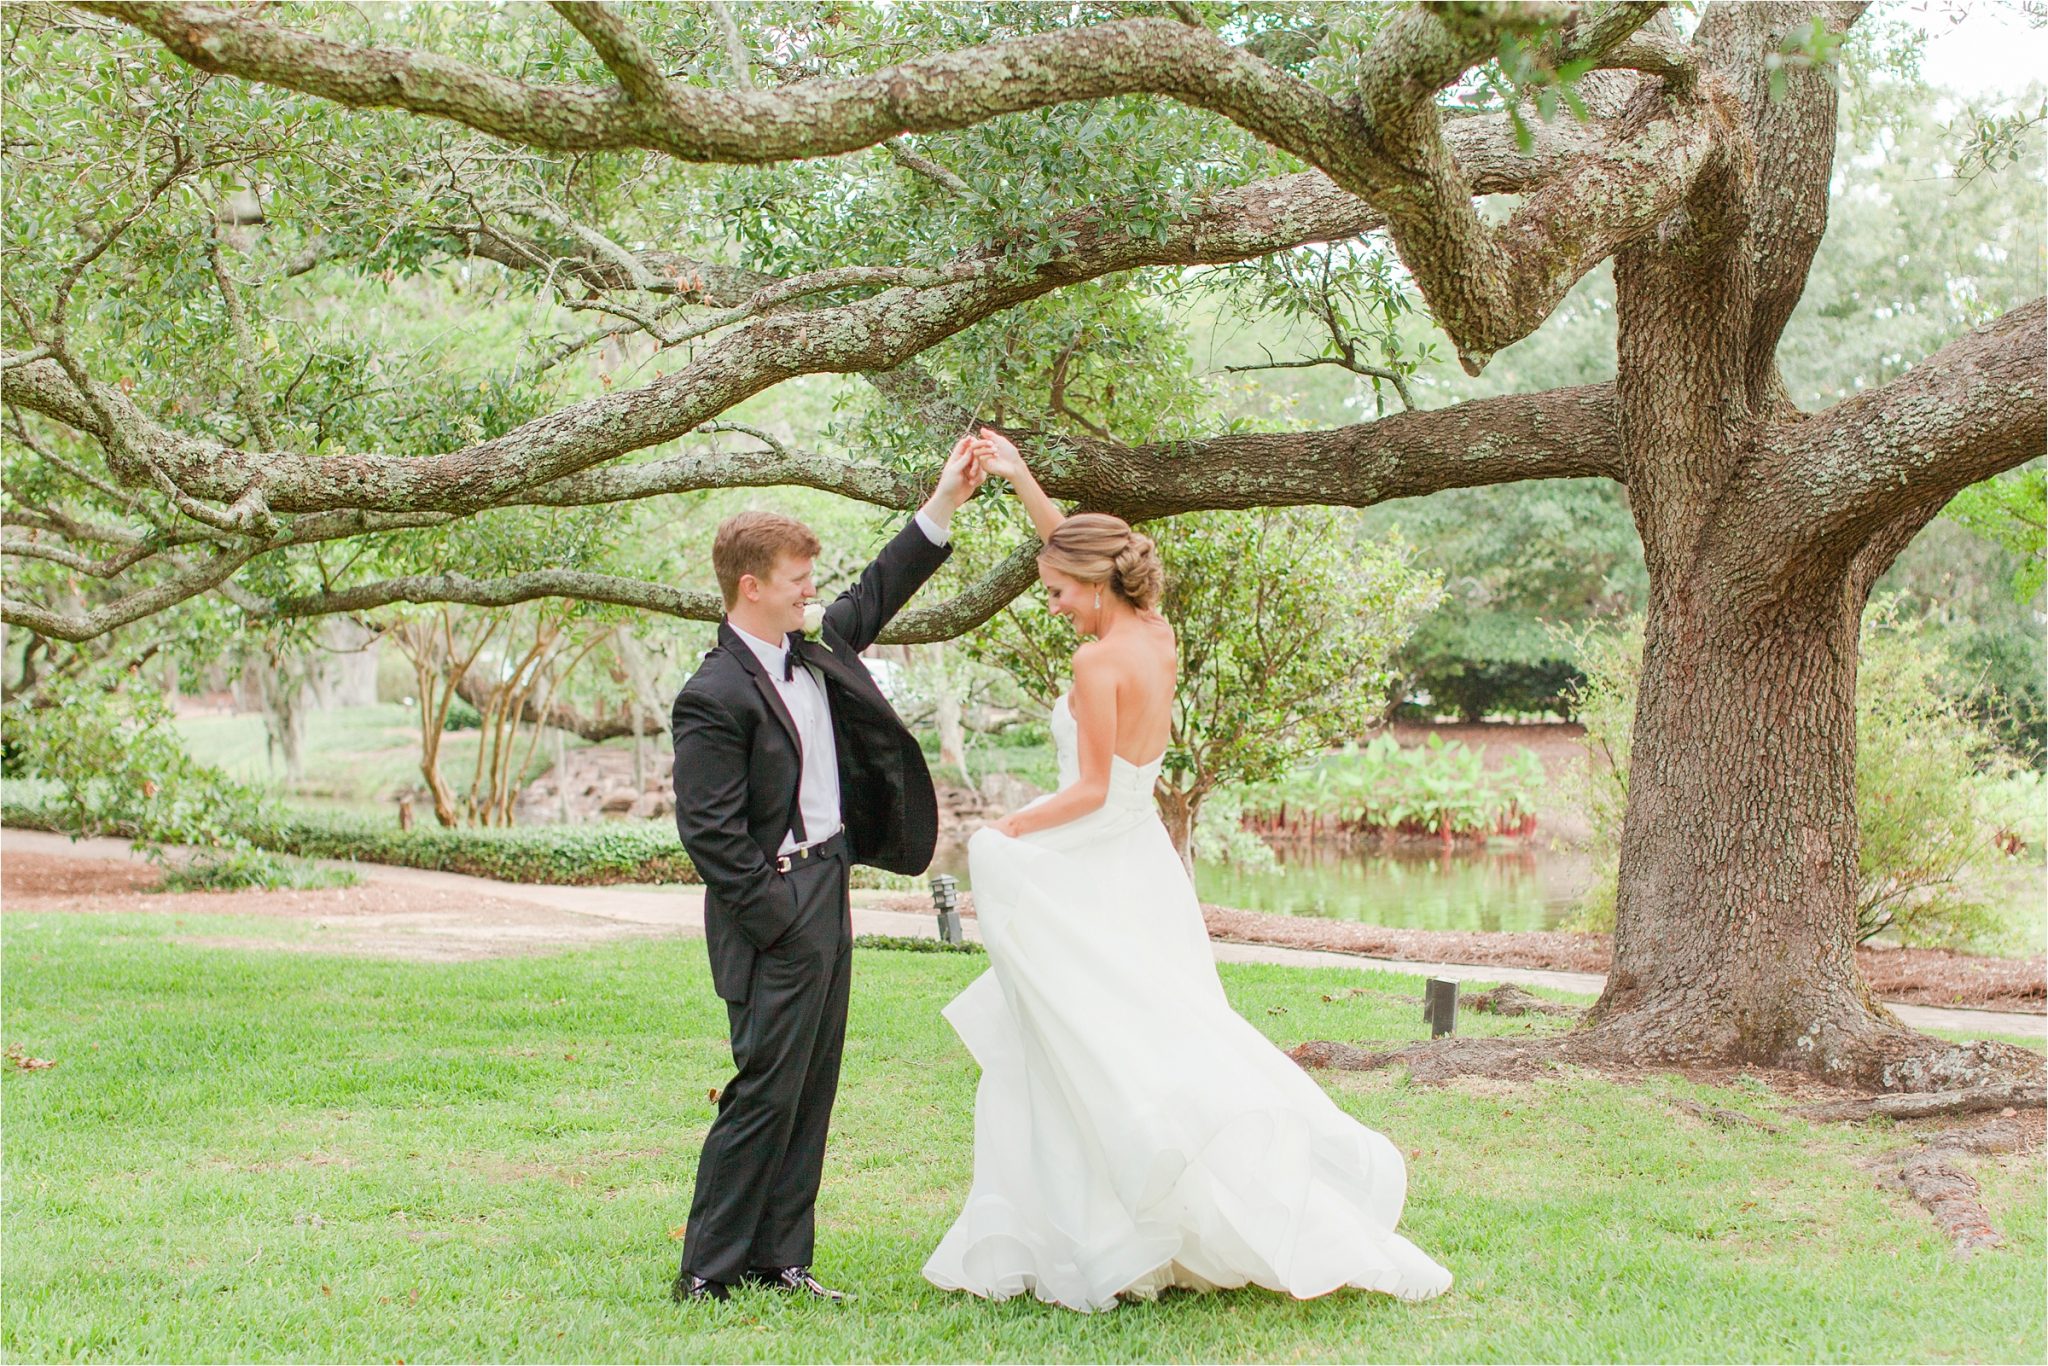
1504 886
1498 887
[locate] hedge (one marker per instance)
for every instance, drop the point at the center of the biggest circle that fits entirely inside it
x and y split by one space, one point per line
901 944
575 855
563 855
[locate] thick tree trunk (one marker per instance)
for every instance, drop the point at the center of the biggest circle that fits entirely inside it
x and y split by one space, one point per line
1735 918
1735 913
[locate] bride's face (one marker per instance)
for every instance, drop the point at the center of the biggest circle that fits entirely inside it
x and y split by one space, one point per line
1072 598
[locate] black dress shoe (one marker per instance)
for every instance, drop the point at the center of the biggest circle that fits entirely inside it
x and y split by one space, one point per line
793 1280
689 1288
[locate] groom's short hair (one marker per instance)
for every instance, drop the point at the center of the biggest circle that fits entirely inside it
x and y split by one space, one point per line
751 543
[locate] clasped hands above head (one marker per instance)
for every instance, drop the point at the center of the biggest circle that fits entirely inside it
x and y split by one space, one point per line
992 453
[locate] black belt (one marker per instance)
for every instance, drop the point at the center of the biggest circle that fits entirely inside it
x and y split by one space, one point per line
833 846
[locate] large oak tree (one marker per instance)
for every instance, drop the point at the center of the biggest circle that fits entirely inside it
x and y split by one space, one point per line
930 185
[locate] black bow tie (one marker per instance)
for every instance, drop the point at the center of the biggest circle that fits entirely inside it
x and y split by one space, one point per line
789 665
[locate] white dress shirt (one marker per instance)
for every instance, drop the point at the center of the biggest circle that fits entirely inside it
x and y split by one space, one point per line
817 796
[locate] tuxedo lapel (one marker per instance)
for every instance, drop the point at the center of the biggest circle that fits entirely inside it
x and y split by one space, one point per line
827 661
762 683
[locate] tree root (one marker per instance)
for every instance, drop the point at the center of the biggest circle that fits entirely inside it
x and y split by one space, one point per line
1924 1105
1927 1173
1901 1060
1438 1060
1950 1196
1727 1119
2008 1133
1979 1076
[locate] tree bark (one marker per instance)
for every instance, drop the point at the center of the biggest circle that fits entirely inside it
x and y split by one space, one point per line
1735 914
1735 920
1178 810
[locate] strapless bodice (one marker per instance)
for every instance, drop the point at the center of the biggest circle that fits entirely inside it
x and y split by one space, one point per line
1130 785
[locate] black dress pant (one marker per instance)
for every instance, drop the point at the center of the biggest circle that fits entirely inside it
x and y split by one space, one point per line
757 1181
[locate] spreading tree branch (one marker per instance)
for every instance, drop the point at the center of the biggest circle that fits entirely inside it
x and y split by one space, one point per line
630 60
1559 434
1487 288
877 333
1827 485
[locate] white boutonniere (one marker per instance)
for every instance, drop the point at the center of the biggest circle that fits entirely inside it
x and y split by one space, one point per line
814 620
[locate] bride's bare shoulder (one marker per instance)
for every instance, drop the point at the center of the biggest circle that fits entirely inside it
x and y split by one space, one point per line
1133 660
1106 661
1165 639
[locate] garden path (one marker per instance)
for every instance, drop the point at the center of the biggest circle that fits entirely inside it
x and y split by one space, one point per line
432 916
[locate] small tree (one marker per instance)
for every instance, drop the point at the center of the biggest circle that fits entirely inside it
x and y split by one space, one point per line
441 644
1285 631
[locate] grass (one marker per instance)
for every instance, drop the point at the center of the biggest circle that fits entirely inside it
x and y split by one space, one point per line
247 1154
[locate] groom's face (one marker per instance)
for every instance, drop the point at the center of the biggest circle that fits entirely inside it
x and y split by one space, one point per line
779 599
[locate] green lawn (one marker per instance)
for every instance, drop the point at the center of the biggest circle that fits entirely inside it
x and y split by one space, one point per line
265 1155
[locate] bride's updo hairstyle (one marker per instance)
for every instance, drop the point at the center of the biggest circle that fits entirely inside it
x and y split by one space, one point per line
1095 547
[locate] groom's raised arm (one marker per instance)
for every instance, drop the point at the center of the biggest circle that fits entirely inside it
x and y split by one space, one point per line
914 555
859 614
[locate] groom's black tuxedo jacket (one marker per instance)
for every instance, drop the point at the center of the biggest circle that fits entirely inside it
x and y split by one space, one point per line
738 764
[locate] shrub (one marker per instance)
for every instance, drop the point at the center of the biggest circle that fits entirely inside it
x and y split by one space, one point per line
113 764
585 855
902 944
2006 695
250 867
1382 788
575 855
1480 664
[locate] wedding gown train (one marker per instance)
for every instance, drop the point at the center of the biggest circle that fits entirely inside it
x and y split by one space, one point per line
1131 1131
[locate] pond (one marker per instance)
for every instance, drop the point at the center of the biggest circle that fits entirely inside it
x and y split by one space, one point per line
1504 886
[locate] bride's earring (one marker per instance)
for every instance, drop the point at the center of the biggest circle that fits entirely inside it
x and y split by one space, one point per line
1098 599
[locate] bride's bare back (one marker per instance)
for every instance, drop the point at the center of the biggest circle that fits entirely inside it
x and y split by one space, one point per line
1140 663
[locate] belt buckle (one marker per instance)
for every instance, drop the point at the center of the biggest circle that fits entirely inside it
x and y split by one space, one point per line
782 864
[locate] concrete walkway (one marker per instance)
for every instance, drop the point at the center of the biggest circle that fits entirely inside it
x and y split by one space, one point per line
680 910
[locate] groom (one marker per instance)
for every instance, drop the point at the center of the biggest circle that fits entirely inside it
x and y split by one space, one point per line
790 767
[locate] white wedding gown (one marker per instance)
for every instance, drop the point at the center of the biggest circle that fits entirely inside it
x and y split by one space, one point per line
1132 1131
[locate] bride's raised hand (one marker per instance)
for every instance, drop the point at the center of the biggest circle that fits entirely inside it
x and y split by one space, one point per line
996 454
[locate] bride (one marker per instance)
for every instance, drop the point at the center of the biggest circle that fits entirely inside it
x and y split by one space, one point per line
1132 1132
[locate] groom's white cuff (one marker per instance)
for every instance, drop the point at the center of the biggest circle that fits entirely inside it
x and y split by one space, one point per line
933 532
